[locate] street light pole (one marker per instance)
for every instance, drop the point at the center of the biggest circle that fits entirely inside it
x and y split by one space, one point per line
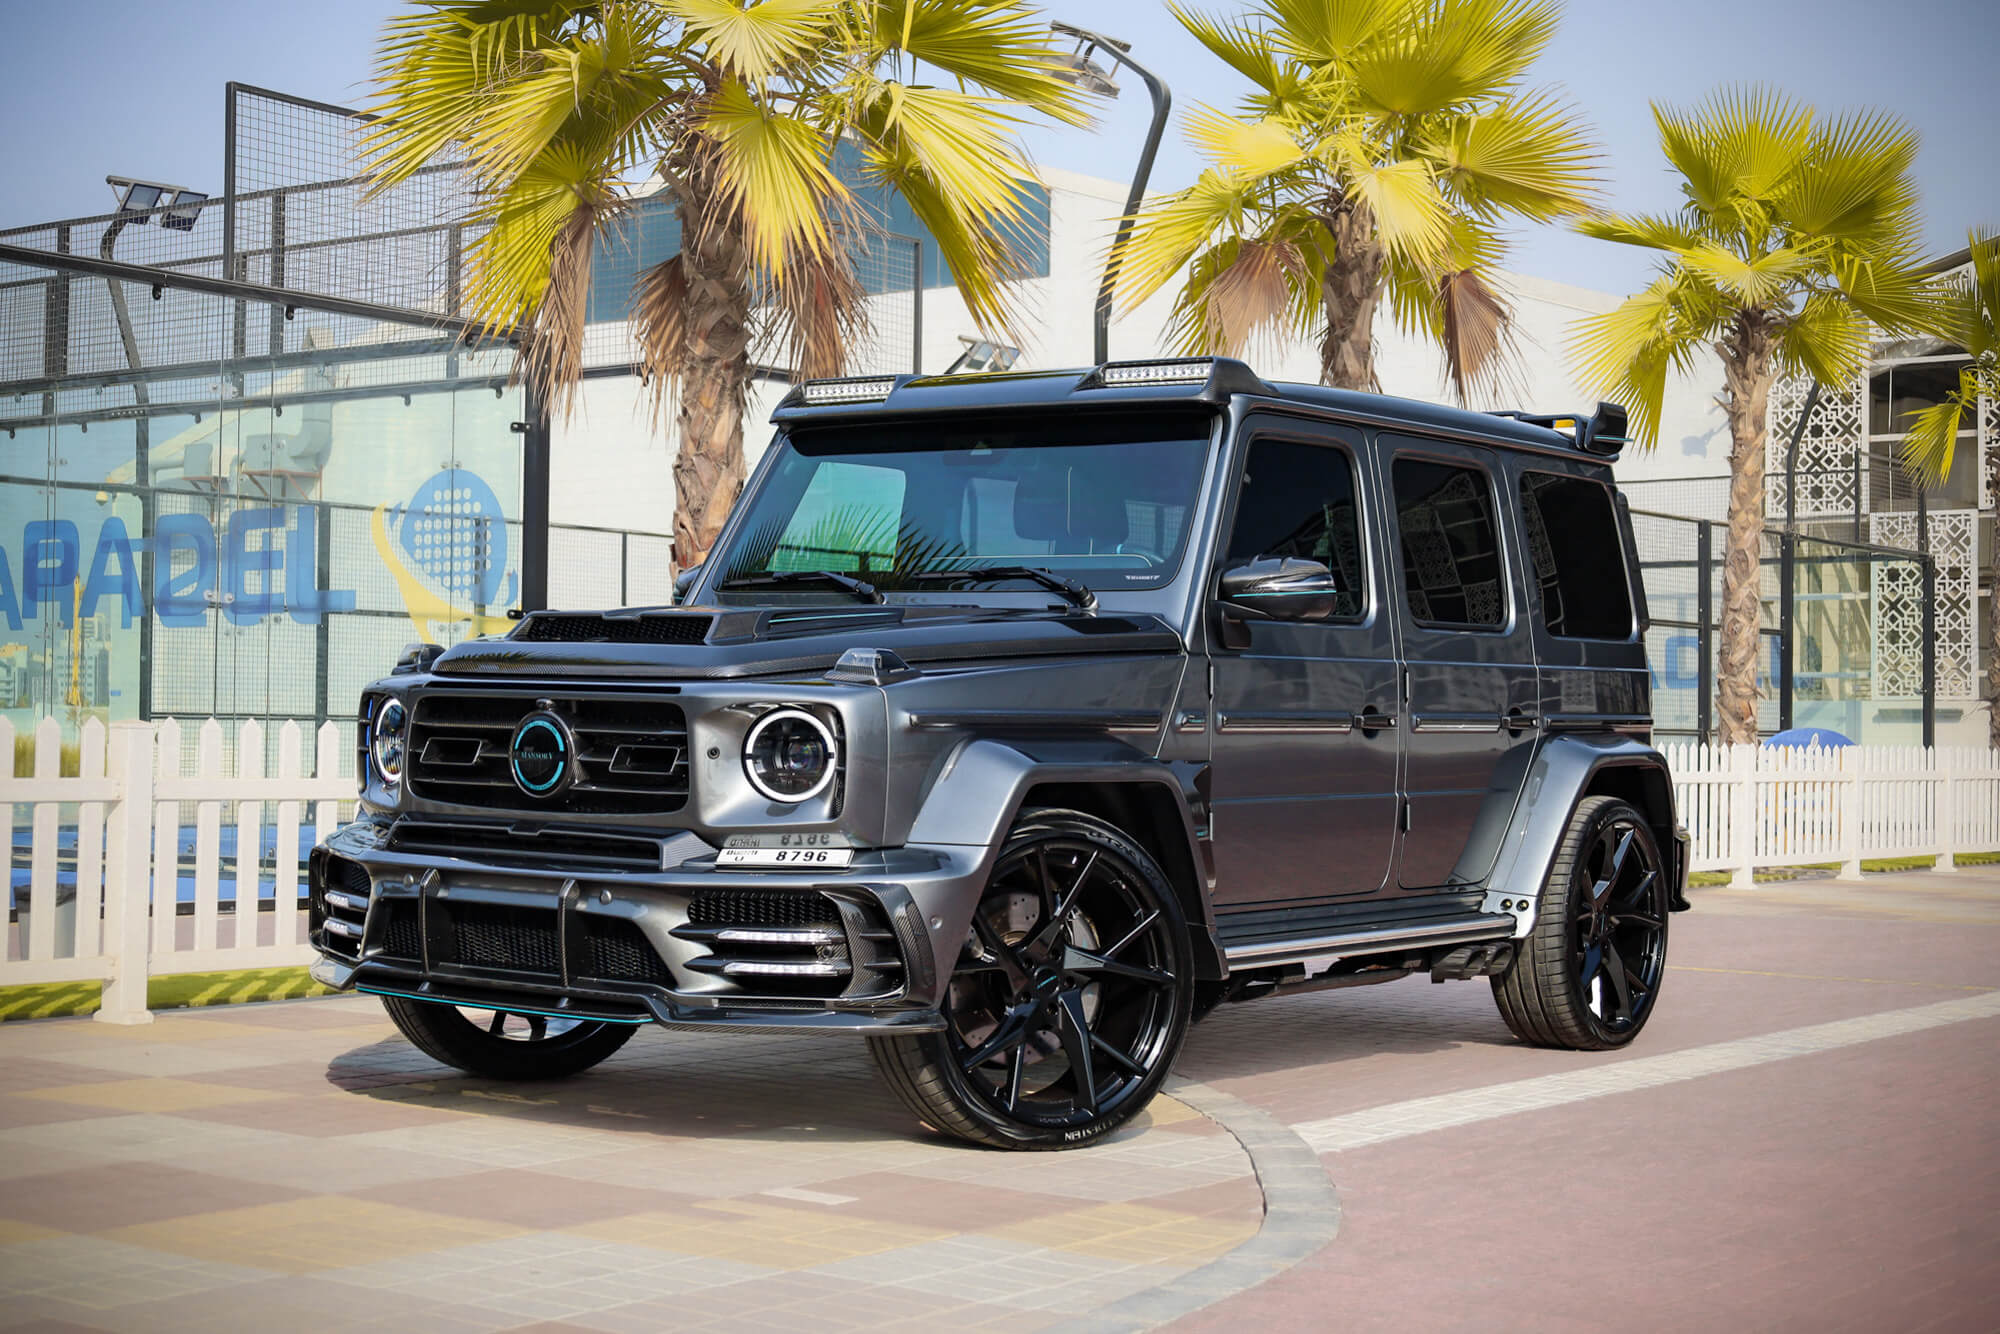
1089 76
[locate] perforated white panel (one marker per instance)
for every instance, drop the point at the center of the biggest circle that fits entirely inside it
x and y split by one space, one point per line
1827 451
1897 615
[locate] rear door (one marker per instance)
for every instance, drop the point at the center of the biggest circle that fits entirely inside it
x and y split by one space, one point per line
1470 686
1304 788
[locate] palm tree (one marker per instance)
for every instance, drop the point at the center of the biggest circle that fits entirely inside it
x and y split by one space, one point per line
561 109
1382 145
1968 319
1797 233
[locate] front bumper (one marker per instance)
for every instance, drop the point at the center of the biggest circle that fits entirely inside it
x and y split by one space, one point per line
861 949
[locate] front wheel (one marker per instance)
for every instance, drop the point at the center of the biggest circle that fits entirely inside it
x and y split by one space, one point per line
1588 973
500 1044
1070 999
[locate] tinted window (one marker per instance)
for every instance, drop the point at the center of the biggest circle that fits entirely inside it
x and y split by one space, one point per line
1452 571
1298 500
1106 502
1577 556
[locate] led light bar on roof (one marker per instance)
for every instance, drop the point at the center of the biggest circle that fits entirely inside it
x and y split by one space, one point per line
871 389
1155 372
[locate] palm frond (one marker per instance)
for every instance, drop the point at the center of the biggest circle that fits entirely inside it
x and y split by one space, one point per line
754 43
1826 340
1930 446
1624 354
1171 228
1247 148
1000 46
1236 44
774 174
1643 229
1411 215
1530 155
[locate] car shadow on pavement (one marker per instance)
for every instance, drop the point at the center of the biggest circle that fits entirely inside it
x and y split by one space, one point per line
1317 1028
666 1083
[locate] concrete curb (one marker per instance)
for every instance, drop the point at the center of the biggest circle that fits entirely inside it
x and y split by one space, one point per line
1301 1214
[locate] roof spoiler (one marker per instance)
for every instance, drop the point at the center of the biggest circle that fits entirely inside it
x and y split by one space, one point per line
1603 433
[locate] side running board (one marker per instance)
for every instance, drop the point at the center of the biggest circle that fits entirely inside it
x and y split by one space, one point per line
1371 939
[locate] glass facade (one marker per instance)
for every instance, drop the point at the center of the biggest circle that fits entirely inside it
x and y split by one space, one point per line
189 531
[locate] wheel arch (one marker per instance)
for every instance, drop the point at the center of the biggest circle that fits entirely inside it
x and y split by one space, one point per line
1565 771
984 787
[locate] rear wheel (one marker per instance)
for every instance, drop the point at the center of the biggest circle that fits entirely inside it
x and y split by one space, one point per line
1070 999
501 1044
1588 974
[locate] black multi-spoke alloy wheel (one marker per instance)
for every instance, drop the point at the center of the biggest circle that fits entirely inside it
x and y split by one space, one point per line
500 1044
1070 998
1588 974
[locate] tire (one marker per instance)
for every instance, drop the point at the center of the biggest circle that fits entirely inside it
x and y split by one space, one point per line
1071 998
1606 892
445 1033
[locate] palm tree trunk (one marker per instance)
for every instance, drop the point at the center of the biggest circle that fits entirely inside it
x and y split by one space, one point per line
1748 373
715 382
1350 288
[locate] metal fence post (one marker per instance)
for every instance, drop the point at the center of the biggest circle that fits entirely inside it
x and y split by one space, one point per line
1742 815
1704 635
127 875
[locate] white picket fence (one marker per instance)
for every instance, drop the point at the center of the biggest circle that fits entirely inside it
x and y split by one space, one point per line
148 860
1752 806
118 886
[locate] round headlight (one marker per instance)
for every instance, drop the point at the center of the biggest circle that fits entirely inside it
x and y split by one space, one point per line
389 740
790 755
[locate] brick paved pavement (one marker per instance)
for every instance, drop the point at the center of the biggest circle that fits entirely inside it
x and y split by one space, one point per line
297 1164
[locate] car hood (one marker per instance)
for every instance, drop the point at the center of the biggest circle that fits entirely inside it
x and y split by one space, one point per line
723 642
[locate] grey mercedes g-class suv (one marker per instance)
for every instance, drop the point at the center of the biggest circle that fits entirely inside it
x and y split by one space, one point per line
1017 720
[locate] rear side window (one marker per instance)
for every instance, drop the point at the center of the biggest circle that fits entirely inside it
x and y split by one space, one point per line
1298 500
1453 574
1577 555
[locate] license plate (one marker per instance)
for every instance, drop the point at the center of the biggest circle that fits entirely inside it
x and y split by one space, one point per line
801 857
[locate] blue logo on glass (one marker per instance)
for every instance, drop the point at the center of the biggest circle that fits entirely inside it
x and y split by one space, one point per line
539 754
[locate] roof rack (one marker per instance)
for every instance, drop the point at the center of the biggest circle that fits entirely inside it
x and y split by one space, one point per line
1603 433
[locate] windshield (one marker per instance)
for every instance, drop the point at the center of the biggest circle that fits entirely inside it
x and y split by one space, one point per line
1101 502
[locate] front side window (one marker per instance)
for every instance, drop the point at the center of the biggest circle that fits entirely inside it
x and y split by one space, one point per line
1297 499
1099 501
1577 555
1453 574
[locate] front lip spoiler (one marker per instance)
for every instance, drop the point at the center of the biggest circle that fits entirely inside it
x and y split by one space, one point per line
622 1007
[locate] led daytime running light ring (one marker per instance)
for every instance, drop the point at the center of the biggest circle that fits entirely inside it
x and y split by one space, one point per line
792 712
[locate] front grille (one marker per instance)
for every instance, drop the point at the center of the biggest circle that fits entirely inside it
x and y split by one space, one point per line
631 752
516 845
402 936
618 951
574 629
753 908
515 940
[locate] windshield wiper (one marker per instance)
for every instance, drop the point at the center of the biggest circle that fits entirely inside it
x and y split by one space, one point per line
861 589
1072 591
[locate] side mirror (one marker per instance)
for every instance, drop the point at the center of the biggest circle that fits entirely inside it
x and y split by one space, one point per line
1282 588
684 581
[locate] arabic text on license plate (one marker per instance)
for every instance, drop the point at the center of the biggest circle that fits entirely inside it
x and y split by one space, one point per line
785 857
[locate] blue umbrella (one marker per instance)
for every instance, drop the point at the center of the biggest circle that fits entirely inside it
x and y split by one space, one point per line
1823 737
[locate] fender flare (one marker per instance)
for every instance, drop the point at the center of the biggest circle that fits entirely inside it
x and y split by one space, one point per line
983 784
1563 772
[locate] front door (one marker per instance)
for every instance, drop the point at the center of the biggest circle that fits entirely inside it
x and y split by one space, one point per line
1304 789
1471 690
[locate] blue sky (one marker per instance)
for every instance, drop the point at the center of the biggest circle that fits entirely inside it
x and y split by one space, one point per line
97 86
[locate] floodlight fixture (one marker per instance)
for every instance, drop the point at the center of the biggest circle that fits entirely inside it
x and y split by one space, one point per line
983 355
138 200
1078 67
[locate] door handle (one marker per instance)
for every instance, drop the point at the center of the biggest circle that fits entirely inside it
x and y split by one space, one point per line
1372 719
1523 720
